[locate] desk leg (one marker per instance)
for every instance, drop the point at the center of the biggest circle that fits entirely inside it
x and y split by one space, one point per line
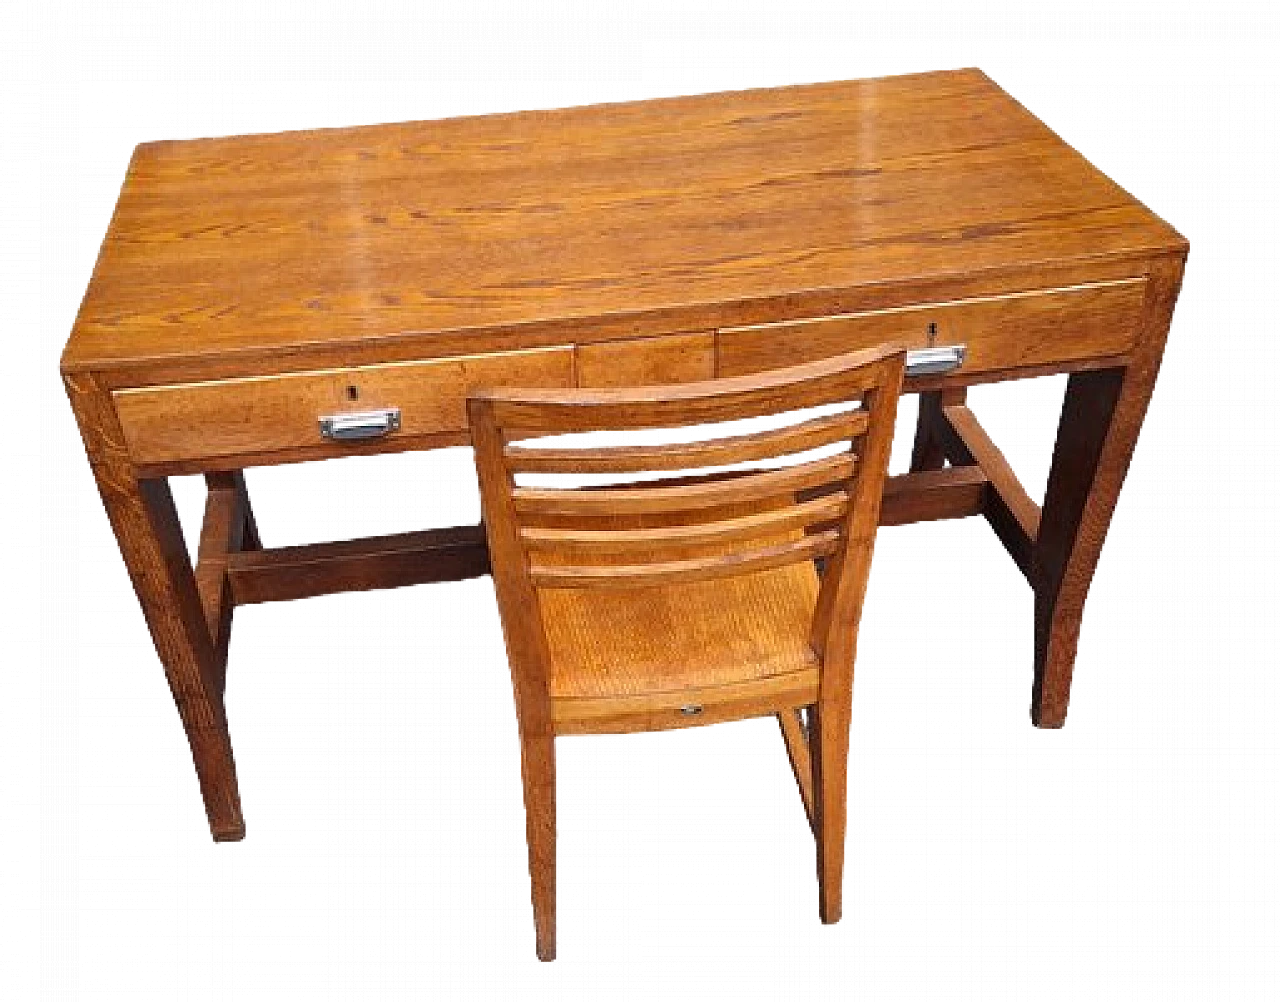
249 540
1101 417
146 526
929 451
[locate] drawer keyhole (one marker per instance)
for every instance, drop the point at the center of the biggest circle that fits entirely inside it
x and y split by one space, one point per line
933 334
353 393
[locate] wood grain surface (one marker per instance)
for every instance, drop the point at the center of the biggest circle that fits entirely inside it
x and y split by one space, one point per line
658 216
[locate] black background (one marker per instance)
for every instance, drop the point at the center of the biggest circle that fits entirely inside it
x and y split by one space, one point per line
408 771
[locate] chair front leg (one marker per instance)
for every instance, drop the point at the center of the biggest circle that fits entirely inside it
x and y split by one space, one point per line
538 772
829 745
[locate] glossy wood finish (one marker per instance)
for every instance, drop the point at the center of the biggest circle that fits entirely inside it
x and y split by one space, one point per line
1101 418
811 434
795 735
1010 510
768 523
932 495
229 529
284 574
722 615
1000 333
647 218
928 451
287 573
239 417
245 283
708 494
677 358
665 711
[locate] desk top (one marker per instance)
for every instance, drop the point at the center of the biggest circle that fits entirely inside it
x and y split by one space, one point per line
651 213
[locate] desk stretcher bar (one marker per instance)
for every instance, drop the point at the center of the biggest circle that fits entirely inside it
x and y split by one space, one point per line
252 575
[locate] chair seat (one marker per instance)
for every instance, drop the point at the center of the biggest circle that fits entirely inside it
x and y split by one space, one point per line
640 641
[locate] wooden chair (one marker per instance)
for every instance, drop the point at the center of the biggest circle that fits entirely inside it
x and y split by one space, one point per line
689 600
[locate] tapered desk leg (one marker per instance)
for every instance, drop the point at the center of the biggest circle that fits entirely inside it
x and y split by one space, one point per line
1101 417
146 525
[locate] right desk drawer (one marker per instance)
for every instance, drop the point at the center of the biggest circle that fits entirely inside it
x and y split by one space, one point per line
1045 327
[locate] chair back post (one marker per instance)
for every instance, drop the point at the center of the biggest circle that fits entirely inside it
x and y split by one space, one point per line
836 620
517 598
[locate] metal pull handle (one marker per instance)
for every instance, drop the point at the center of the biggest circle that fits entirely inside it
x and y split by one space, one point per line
366 424
931 361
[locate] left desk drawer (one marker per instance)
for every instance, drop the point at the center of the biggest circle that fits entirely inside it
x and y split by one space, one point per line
263 414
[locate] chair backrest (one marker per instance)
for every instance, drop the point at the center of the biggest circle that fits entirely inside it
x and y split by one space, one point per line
687 528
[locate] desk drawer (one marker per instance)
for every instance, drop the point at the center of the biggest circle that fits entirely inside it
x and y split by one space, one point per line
646 361
166 424
1020 330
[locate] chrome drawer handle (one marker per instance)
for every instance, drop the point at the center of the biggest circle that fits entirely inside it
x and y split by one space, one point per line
931 361
366 424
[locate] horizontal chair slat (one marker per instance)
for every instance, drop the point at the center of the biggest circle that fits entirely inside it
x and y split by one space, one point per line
706 494
523 413
802 437
651 541
819 544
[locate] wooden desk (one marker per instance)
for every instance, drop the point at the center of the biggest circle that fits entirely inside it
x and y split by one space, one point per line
249 286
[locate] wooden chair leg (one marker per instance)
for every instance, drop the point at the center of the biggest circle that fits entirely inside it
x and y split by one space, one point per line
829 747
538 771
796 737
